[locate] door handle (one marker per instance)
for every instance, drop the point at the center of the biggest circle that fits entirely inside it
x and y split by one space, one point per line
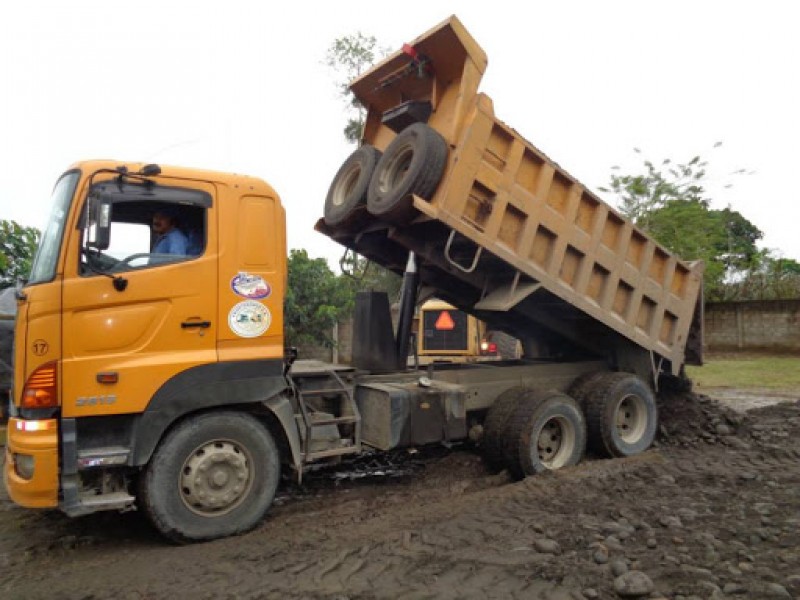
199 324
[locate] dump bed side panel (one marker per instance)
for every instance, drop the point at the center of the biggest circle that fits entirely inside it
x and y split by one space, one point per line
509 199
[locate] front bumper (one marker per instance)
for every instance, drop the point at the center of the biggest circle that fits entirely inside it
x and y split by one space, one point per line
38 439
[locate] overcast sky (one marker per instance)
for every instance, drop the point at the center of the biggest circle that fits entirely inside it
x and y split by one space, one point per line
241 86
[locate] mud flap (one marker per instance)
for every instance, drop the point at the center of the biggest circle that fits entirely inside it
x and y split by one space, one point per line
281 407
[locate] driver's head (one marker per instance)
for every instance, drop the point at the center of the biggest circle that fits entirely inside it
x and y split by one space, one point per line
164 220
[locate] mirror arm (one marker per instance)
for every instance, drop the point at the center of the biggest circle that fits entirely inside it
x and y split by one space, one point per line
120 283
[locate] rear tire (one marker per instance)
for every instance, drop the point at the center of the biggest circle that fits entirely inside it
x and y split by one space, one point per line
583 385
413 163
621 415
495 425
546 432
347 196
212 476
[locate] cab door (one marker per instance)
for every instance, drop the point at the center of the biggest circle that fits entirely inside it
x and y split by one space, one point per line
131 325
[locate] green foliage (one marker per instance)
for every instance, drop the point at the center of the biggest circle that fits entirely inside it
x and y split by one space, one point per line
643 193
17 248
724 239
349 56
362 275
775 278
315 300
670 202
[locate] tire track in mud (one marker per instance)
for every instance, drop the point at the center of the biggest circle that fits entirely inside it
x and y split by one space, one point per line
486 548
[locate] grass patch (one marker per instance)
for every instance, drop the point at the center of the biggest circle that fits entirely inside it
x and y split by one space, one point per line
772 372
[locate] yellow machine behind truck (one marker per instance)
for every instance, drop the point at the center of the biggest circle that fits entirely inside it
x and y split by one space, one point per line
157 379
447 334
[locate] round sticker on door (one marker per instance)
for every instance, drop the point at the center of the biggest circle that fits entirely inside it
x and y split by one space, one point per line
252 287
249 319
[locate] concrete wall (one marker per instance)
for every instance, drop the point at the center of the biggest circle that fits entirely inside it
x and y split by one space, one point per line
771 325
341 354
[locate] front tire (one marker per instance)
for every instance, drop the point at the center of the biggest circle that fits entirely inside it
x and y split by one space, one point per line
212 476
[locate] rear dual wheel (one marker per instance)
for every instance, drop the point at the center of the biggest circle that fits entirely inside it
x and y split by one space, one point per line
529 431
496 425
546 432
621 414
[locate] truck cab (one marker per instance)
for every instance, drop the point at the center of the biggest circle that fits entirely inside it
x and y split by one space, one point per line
117 342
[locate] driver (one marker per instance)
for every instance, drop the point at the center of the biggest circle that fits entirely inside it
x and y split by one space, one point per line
170 240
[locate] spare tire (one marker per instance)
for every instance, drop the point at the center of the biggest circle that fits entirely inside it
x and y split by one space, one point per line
344 205
413 163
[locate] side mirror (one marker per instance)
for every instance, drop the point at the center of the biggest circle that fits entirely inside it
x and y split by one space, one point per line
99 233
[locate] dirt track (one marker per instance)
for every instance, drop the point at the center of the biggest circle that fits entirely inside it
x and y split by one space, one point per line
712 512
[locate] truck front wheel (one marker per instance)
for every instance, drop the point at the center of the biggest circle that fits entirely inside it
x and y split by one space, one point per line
212 476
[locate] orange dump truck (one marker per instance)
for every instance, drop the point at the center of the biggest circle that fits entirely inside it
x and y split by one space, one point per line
150 370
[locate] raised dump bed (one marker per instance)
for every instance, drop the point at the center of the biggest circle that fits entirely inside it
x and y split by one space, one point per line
507 234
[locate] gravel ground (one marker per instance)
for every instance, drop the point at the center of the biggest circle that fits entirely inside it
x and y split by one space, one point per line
711 512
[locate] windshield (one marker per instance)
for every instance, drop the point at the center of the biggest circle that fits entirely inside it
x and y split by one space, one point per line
44 265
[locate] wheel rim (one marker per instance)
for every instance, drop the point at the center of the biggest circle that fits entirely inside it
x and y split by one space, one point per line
631 420
346 184
555 442
396 169
216 478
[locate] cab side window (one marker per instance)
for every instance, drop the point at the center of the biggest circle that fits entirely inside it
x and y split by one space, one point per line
147 234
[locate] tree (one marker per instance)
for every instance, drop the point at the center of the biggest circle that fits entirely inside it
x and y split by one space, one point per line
670 202
724 239
17 246
315 300
775 278
349 56
363 275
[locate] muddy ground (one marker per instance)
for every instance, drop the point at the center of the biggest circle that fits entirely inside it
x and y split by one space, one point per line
713 511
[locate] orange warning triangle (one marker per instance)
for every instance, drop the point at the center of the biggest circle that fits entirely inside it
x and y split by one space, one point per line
445 322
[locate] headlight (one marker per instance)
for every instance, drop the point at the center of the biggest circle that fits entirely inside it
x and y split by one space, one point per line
23 465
